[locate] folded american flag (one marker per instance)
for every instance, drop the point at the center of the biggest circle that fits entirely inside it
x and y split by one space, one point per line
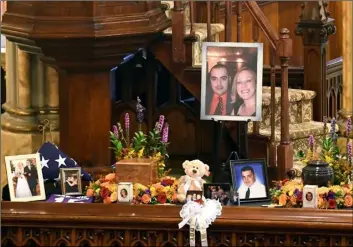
52 159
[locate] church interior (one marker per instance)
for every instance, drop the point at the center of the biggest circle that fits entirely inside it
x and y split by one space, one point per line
72 71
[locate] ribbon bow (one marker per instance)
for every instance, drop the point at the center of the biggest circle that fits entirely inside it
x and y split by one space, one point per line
199 217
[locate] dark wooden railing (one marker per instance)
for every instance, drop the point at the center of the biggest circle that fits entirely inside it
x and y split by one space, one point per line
281 46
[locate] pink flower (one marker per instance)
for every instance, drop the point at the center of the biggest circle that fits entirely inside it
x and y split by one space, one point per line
127 121
165 133
115 131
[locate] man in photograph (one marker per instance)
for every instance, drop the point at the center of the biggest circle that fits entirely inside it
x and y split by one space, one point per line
250 188
30 172
218 101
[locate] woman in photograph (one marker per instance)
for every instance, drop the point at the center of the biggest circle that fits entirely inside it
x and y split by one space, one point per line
123 193
22 187
244 93
71 183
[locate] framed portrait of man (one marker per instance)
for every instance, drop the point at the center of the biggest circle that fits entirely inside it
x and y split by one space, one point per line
231 85
249 178
25 178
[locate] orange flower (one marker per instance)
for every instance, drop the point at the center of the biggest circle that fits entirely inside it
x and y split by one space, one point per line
107 200
282 200
348 201
293 200
320 202
110 177
174 197
89 192
146 198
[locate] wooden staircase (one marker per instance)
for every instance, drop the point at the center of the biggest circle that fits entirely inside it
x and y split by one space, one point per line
291 110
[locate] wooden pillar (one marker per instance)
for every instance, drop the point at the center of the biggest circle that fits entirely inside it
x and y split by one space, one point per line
314 26
285 148
347 110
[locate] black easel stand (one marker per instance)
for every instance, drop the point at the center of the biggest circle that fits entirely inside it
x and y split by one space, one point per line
222 170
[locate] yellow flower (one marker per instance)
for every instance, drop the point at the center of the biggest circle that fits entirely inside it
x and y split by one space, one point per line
153 191
290 193
112 187
328 159
138 187
323 190
336 188
166 189
161 164
140 152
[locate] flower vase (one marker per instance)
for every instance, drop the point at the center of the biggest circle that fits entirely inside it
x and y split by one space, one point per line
318 172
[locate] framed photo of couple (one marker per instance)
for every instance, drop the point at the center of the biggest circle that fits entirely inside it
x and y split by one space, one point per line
249 178
231 86
25 178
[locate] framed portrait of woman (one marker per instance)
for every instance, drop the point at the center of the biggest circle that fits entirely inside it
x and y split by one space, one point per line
125 192
25 178
231 86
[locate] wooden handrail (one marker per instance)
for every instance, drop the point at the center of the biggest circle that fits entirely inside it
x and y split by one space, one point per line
263 22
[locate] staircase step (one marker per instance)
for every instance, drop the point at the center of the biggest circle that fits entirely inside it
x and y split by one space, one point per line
300 106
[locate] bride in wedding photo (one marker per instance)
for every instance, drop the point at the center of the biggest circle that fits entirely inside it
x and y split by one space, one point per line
22 188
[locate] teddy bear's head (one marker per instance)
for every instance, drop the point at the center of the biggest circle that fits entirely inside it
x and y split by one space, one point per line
196 168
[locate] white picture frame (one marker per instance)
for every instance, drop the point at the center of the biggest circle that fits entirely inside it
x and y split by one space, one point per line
25 178
125 192
310 196
233 72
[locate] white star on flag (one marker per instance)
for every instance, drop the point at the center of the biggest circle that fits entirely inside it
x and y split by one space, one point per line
61 161
44 162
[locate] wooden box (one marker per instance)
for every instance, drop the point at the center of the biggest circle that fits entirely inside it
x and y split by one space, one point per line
143 171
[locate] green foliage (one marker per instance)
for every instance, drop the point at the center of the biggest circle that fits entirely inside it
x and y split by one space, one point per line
139 141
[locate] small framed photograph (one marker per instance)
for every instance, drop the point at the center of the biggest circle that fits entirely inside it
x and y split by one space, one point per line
125 192
231 81
310 196
25 178
71 181
249 178
194 195
219 191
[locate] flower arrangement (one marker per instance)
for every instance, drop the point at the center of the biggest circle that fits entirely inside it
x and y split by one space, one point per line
152 145
330 153
104 189
289 193
162 192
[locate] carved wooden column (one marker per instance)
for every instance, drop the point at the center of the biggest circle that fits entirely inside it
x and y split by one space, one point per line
285 148
314 26
85 45
347 110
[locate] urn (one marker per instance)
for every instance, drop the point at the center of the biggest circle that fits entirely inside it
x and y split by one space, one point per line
317 172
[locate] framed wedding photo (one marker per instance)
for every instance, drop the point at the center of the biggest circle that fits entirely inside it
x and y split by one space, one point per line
25 178
71 181
231 85
125 192
249 178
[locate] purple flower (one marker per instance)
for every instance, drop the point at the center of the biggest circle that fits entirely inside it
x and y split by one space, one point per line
160 123
163 183
311 141
147 191
333 127
139 111
330 195
296 192
349 152
127 121
115 131
349 126
165 133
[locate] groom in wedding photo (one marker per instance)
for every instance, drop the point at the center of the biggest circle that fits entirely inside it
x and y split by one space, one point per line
30 171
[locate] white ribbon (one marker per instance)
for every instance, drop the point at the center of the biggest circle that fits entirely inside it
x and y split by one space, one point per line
199 217
188 183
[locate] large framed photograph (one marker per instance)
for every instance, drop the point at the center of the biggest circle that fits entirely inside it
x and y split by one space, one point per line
249 178
231 86
219 191
25 178
125 192
71 181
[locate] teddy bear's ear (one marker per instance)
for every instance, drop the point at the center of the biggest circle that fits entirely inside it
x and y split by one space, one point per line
185 164
207 168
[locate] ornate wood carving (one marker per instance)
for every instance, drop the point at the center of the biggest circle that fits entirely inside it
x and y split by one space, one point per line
315 26
49 224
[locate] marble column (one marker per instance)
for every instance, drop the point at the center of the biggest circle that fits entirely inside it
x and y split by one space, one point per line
347 110
32 95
